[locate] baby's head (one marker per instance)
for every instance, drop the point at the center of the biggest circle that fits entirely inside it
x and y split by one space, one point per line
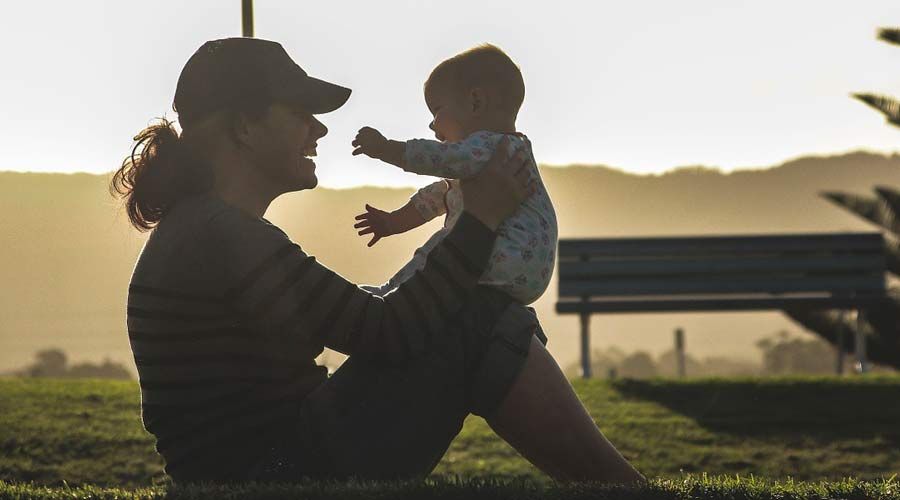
479 89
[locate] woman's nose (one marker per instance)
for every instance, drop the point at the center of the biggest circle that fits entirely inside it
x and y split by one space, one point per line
431 125
319 128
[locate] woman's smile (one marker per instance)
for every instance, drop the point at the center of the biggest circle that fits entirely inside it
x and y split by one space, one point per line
307 153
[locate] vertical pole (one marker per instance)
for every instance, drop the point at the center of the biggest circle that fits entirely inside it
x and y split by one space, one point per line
862 364
247 18
586 345
585 332
679 351
839 363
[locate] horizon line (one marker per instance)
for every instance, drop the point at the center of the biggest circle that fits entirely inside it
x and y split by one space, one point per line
669 170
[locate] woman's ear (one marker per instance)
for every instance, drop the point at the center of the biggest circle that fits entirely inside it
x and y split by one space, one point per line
242 130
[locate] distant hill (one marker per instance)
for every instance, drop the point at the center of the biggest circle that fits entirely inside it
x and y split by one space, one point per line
66 250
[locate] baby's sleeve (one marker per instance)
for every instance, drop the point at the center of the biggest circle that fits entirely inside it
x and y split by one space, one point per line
456 160
429 201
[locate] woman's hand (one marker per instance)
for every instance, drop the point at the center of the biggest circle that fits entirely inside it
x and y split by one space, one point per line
497 191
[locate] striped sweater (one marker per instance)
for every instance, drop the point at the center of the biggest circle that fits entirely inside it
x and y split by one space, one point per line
226 316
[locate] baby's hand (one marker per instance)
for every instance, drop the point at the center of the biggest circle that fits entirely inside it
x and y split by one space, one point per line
369 142
377 222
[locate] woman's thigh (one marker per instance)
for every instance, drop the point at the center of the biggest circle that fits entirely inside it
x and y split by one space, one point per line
382 421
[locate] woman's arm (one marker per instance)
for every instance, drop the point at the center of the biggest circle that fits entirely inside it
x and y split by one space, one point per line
289 293
280 290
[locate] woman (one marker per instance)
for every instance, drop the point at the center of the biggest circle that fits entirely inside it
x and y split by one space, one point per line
226 314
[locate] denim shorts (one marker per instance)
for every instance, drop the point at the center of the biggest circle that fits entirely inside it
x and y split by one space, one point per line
373 420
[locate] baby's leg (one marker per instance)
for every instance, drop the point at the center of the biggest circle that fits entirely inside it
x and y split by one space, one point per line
406 272
520 271
378 290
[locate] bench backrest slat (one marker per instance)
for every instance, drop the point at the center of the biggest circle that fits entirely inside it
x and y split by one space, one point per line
839 264
636 268
723 284
711 245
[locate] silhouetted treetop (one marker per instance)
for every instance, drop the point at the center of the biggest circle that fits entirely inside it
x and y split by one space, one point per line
890 35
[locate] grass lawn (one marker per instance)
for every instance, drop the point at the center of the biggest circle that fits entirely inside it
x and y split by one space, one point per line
809 429
692 488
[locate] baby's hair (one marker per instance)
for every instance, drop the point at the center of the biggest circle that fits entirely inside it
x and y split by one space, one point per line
485 66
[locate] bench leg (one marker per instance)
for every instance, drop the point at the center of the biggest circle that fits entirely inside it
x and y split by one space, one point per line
839 362
586 346
862 363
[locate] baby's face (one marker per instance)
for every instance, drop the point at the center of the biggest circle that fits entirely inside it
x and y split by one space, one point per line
449 110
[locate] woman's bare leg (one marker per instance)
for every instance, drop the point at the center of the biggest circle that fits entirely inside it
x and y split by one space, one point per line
544 420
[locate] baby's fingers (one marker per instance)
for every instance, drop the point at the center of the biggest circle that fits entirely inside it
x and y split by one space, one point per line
364 223
374 240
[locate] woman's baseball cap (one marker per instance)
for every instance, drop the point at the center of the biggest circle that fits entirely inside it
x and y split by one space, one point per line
223 73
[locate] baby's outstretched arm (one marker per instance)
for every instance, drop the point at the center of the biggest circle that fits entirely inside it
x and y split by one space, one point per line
373 144
379 223
457 160
424 205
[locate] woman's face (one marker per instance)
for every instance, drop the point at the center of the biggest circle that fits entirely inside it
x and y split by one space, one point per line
284 143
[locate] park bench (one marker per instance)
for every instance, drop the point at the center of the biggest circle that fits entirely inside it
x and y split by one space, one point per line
719 273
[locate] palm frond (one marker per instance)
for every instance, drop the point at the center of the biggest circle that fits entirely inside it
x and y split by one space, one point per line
888 106
892 257
889 35
881 326
890 198
825 324
870 209
885 322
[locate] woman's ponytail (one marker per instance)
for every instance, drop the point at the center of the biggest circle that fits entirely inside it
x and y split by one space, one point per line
158 172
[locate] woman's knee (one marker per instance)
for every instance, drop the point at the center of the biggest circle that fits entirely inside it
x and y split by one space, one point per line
504 342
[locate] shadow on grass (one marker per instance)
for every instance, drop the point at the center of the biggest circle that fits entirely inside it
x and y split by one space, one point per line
817 408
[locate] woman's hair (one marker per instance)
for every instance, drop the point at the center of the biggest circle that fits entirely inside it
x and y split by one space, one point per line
165 167
158 172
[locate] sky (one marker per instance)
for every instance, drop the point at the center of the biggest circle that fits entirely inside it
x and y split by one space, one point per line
644 86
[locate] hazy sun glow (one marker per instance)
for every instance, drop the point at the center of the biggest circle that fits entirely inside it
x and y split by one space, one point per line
643 85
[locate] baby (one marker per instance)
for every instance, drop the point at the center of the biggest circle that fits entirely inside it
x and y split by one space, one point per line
474 97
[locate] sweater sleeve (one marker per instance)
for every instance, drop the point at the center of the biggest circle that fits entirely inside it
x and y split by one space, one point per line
279 290
429 201
457 160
